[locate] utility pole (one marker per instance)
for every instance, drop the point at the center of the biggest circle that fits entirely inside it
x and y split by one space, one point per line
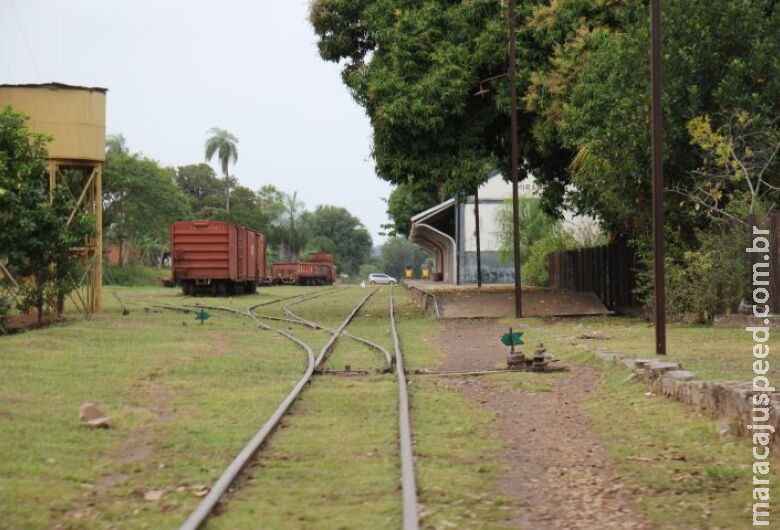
658 177
476 232
513 156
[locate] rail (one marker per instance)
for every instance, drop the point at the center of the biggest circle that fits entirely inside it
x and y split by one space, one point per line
408 481
209 502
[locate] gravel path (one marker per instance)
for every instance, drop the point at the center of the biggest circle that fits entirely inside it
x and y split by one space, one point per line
554 465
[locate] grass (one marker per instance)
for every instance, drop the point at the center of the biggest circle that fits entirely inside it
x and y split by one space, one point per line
193 394
694 478
712 353
186 397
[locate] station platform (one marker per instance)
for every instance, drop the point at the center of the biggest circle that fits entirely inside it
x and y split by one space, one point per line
497 301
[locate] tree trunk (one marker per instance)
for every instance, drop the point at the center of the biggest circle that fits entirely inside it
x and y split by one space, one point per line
39 305
121 252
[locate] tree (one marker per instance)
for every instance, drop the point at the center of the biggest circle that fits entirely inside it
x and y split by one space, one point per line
345 231
398 253
140 198
536 224
431 76
591 94
405 201
38 232
294 239
740 164
223 144
201 185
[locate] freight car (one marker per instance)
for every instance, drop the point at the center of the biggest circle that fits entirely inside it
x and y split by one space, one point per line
216 257
318 269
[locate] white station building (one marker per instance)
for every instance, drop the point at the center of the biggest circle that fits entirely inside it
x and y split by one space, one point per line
448 232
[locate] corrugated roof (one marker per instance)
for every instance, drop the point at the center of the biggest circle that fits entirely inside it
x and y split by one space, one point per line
57 86
432 211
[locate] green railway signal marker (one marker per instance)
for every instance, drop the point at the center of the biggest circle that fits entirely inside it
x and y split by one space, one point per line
513 339
202 315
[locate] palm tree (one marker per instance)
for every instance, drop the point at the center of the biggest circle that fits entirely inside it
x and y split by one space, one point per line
293 206
223 144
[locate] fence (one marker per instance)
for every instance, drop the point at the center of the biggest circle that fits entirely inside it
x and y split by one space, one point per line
608 271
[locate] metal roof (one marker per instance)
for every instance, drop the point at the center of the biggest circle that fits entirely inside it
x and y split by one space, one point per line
56 86
422 216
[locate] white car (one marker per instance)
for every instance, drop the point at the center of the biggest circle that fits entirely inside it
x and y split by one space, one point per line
377 278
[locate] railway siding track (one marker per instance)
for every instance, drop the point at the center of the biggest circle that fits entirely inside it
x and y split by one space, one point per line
314 365
411 519
315 325
220 488
206 507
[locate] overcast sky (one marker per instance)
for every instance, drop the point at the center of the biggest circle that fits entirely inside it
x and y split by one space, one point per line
175 68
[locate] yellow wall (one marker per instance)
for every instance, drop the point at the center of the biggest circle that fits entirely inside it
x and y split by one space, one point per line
76 117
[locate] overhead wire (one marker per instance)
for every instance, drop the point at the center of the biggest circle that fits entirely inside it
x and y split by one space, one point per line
26 42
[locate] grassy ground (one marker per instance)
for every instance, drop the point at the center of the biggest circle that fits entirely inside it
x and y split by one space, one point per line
683 474
710 352
185 398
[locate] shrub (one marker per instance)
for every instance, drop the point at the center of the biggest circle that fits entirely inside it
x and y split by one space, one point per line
534 269
132 275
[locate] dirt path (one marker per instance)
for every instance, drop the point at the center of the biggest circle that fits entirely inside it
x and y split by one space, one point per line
554 466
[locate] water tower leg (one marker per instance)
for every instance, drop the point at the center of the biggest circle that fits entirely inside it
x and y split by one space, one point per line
97 271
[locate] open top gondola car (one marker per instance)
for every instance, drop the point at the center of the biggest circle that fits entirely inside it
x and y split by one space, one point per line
216 257
318 269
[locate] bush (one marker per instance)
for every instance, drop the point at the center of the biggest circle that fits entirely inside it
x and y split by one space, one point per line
705 281
133 275
534 269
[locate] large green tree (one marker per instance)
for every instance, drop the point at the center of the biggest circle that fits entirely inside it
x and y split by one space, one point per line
201 185
405 201
222 144
398 253
342 232
140 198
38 229
591 93
431 76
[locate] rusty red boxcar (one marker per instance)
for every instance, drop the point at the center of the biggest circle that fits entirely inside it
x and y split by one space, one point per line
216 257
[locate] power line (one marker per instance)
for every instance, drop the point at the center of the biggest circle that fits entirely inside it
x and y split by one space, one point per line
26 42
6 65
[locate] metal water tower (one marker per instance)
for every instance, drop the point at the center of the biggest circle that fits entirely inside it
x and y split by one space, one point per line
76 119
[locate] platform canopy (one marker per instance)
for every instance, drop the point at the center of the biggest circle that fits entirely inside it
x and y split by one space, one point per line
434 230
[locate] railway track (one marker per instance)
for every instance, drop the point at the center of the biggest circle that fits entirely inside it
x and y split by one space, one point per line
408 479
316 365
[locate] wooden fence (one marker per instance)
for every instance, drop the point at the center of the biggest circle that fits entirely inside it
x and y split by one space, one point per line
608 271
